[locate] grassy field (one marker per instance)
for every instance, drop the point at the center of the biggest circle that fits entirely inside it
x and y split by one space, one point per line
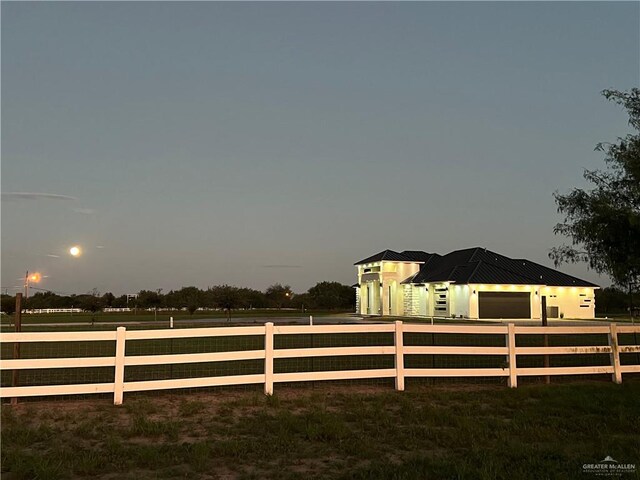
619 317
441 432
161 317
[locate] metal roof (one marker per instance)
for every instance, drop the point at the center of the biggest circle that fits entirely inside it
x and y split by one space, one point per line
478 265
385 255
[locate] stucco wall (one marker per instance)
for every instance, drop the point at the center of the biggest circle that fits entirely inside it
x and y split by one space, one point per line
569 301
388 300
459 300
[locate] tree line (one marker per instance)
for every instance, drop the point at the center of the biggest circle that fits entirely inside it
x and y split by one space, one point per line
322 296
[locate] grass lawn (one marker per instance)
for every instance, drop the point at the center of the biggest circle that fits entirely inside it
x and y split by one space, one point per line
330 431
618 317
144 316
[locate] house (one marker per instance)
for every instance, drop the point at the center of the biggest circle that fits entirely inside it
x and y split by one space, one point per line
473 283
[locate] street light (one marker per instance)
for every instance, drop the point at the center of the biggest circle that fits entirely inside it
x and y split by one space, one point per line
35 277
75 251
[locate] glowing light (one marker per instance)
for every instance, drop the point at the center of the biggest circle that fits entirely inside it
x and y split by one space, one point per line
35 277
75 251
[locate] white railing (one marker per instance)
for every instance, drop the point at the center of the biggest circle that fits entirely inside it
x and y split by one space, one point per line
52 310
119 362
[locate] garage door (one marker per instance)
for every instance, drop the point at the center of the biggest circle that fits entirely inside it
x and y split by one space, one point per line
504 305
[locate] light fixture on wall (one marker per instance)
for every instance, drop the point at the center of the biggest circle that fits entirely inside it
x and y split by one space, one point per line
474 292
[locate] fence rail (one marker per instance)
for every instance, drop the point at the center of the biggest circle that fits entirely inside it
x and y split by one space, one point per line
511 350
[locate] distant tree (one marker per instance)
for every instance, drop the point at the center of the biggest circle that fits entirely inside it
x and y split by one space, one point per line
108 299
250 298
279 295
611 300
119 302
149 299
332 295
8 304
47 299
302 301
36 300
603 223
171 300
65 301
91 303
225 297
190 298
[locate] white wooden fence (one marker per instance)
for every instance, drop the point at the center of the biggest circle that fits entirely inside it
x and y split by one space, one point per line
119 362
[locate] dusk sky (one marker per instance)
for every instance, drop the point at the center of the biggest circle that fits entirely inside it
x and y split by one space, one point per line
255 143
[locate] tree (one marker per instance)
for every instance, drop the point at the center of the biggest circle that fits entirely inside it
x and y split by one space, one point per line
303 302
332 295
603 223
108 299
225 297
610 300
8 304
119 302
190 298
279 295
149 299
250 298
91 302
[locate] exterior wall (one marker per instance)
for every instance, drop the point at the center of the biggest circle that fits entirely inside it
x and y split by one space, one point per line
417 300
422 298
381 291
572 302
370 298
408 300
393 274
369 290
473 301
358 300
459 300
430 296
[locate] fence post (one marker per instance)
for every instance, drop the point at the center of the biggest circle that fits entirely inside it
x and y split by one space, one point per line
615 353
118 387
16 346
268 358
511 345
399 342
